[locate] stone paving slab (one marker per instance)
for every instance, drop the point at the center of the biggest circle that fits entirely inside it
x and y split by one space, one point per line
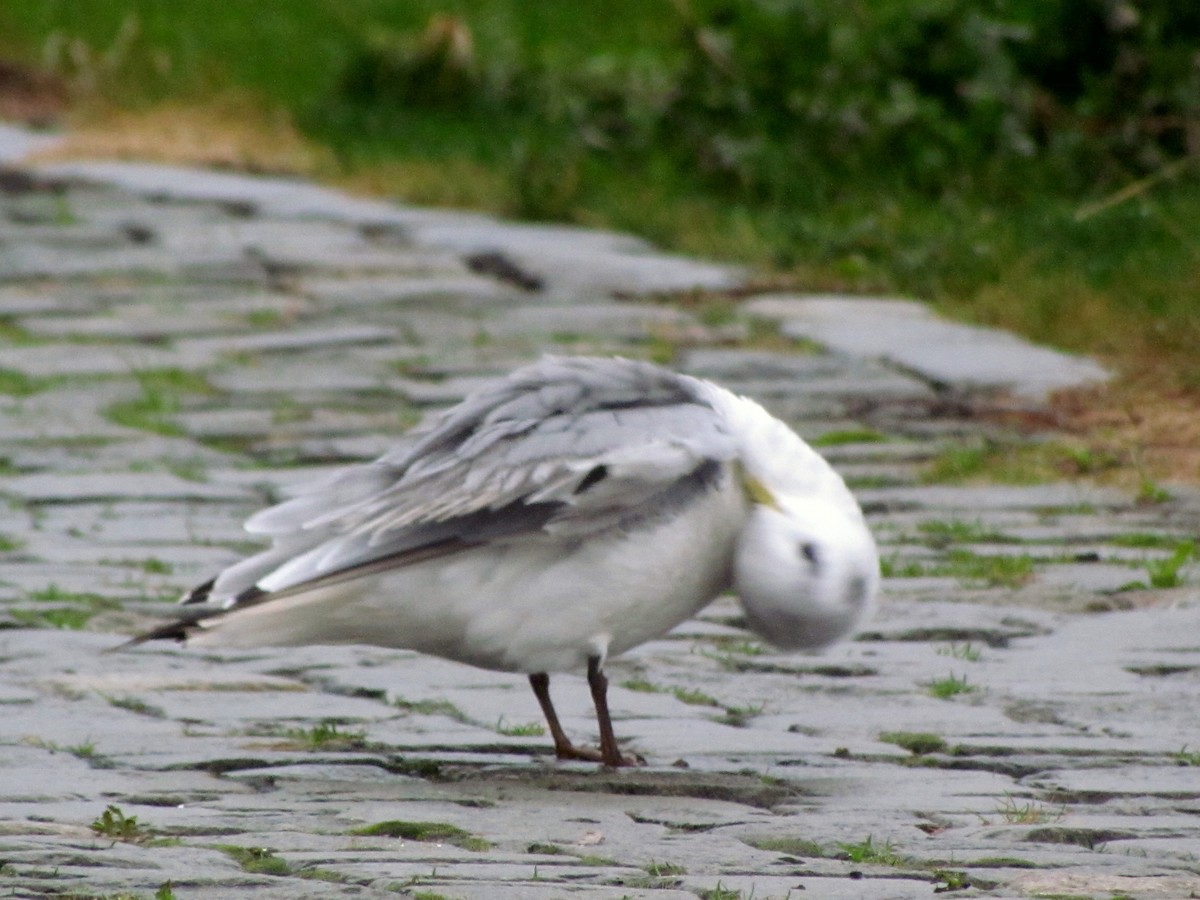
177 347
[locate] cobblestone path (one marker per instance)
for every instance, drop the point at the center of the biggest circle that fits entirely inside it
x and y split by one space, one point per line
176 347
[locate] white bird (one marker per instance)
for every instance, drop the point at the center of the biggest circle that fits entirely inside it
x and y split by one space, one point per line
556 517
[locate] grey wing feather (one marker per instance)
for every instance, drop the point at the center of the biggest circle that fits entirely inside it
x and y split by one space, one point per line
507 461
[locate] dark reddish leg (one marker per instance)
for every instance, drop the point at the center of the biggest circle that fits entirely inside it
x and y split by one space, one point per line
608 753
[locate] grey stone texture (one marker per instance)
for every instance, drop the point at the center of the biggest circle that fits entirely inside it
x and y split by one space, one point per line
178 347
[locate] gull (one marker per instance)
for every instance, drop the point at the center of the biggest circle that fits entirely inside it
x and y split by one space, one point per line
556 517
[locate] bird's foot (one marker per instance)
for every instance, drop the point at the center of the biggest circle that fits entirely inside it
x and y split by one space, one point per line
594 754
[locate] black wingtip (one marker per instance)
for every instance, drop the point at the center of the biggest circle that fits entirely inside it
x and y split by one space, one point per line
200 593
177 630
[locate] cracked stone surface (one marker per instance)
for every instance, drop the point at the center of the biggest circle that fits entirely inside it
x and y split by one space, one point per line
177 346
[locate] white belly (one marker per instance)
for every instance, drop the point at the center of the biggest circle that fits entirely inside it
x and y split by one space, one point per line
530 606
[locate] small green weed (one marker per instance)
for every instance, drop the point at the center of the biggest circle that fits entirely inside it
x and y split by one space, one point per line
165 892
938 533
67 618
84 749
950 686
113 823
529 729
1187 757
916 742
1145 541
135 705
9 544
720 892
428 832
694 697
258 860
1030 813
327 735
642 686
955 650
848 436
161 397
740 716
867 851
431 708
1165 573
799 847
18 384
664 869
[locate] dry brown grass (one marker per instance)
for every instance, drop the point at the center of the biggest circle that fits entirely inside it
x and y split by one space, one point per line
1141 418
229 133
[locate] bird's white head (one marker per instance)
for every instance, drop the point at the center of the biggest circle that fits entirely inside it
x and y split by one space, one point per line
807 572
805 567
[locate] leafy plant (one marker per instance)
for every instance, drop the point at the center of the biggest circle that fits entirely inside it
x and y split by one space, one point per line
113 823
867 851
950 686
1165 573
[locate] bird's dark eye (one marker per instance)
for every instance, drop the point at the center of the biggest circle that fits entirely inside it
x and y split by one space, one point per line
809 551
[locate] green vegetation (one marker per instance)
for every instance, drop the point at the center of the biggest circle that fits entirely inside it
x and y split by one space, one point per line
431 708
18 384
1187 757
113 823
867 851
259 860
1030 813
529 729
327 735
664 869
950 686
161 397
937 533
431 832
966 651
799 847
1165 573
72 611
1021 163
136 705
918 743
989 570
851 436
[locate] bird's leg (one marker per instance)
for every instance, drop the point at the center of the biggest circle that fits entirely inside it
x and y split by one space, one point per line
610 755
563 748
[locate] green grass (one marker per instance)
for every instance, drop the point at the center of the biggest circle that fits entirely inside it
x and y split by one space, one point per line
625 115
1186 757
942 533
257 860
800 847
918 743
160 399
527 729
955 650
950 686
988 570
429 832
18 384
849 436
1165 573
439 707
867 851
327 735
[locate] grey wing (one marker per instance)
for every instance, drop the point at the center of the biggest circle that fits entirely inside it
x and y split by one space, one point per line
562 447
